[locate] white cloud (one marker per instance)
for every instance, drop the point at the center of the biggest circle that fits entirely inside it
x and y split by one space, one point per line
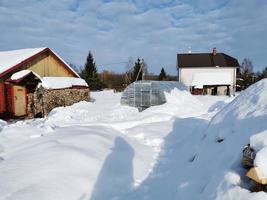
154 30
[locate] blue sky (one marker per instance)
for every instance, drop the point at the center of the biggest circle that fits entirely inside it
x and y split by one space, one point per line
149 29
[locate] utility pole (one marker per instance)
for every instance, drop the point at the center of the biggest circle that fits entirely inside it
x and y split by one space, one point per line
141 70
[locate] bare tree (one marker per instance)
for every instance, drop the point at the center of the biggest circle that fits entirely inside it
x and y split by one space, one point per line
246 76
129 70
247 66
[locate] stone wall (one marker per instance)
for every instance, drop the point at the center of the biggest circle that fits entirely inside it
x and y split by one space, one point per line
41 106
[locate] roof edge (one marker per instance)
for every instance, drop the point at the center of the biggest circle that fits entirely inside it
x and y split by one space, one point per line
46 49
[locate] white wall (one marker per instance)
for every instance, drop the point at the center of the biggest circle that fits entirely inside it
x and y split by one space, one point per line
186 74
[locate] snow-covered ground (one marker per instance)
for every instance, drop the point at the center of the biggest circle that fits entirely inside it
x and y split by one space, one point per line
102 150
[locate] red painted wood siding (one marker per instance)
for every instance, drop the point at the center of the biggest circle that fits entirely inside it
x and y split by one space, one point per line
2 98
10 98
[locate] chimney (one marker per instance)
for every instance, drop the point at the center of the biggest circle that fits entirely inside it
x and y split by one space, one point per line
189 50
214 51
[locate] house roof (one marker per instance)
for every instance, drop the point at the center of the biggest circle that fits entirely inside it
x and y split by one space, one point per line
21 75
206 60
12 60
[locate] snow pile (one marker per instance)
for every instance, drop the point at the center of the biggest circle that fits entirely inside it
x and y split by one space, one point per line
107 111
49 167
181 103
241 122
103 150
98 149
259 142
51 159
62 82
250 103
2 124
201 159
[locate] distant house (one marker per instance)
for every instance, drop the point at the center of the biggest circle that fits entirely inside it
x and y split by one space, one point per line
208 73
34 81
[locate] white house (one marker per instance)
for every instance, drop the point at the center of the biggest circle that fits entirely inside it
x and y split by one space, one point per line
208 73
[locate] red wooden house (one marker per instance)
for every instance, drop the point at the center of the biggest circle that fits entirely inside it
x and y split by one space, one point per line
29 66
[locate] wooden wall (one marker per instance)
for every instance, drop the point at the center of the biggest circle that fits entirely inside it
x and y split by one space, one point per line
47 65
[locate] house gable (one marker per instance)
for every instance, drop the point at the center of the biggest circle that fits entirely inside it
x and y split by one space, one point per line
44 63
47 64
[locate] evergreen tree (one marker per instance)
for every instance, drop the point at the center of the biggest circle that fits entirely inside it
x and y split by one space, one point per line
162 75
89 70
89 74
137 71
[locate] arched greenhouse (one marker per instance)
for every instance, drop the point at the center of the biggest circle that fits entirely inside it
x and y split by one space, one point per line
143 94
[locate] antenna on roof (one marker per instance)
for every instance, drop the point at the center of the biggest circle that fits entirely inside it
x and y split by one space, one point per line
189 50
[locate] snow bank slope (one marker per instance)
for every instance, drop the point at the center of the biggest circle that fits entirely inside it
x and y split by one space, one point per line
70 163
239 123
52 167
107 111
201 159
102 150
91 150
2 124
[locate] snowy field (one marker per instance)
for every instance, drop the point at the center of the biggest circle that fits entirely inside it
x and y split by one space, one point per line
101 150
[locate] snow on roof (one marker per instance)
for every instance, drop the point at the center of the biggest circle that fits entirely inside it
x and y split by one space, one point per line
62 82
52 82
9 59
21 74
211 78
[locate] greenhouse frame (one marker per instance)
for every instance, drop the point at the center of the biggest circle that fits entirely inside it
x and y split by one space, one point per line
143 94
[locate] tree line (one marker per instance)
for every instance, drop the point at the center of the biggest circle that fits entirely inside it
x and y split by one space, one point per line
135 70
138 70
246 75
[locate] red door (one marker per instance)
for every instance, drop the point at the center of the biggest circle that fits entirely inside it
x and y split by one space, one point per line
2 98
9 99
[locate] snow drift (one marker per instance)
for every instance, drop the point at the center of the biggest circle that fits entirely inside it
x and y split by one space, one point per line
2 124
201 159
91 150
240 122
102 150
